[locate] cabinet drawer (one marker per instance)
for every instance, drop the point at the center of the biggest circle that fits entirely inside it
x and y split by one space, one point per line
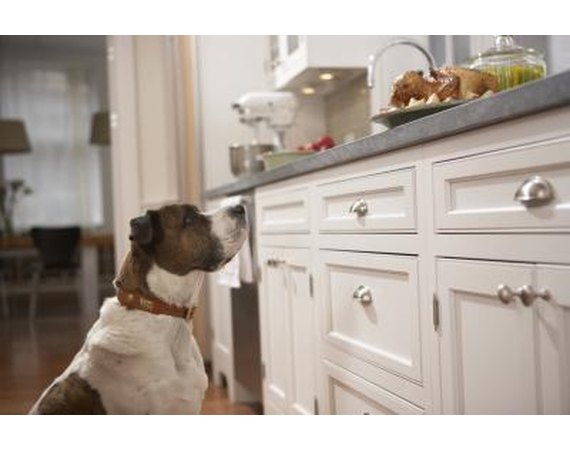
284 212
371 309
381 202
478 192
350 394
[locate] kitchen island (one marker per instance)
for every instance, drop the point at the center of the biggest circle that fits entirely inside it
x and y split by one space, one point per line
422 270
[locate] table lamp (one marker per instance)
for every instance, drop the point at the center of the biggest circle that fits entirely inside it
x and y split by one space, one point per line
100 129
13 137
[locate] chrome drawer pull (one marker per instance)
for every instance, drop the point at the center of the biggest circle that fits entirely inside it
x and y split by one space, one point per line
535 191
363 294
506 294
360 207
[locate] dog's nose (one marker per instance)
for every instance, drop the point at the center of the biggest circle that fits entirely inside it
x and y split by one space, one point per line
238 210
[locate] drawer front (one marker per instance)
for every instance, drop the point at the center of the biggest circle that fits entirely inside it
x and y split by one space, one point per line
286 212
478 192
371 309
382 202
350 394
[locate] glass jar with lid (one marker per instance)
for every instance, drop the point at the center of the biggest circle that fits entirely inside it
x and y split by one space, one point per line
512 64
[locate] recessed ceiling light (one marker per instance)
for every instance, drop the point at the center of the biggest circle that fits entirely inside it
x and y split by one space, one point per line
326 76
308 90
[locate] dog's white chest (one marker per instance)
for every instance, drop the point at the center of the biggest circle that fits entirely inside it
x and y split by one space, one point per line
143 364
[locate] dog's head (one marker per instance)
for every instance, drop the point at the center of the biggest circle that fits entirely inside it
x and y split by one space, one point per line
180 238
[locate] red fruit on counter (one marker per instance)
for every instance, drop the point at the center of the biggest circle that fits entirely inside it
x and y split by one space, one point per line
325 142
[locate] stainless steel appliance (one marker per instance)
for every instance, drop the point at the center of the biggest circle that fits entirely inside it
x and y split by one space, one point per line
248 159
276 110
245 322
273 110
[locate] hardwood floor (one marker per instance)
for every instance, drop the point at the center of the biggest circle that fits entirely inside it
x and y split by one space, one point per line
32 356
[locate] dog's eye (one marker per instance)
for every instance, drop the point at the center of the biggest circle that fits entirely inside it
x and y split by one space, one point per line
187 221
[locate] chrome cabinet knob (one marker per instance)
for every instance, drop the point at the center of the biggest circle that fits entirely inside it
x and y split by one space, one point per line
363 294
274 262
544 294
528 295
535 191
506 294
360 207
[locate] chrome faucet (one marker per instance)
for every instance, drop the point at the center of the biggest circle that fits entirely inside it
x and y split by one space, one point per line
373 58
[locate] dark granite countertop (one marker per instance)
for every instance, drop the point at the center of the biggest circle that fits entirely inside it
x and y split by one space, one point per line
548 93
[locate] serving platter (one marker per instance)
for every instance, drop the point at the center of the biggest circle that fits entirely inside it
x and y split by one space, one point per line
398 117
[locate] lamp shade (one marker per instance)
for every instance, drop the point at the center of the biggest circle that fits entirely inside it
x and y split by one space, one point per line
100 129
13 136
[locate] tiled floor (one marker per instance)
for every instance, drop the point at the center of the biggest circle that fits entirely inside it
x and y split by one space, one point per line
31 356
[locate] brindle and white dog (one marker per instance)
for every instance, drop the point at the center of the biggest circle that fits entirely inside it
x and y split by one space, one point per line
140 356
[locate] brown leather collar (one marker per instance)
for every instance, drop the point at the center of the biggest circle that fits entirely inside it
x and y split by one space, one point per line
134 300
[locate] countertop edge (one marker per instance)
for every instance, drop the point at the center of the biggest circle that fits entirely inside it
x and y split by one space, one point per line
546 94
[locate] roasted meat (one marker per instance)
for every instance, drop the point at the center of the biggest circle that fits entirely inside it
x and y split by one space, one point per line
471 81
446 83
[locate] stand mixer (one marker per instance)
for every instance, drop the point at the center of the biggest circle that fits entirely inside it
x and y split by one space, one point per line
274 109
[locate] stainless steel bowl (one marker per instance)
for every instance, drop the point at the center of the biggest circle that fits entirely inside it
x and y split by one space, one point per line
248 159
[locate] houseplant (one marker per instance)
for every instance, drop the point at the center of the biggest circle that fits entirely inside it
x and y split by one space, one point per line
10 193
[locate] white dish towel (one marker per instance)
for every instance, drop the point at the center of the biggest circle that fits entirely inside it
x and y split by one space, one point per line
240 267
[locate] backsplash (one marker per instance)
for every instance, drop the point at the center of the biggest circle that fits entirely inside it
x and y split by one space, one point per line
347 111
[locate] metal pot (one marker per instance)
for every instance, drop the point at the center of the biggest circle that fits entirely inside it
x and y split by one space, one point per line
248 159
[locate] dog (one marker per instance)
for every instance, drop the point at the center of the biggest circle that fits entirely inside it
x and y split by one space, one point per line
140 356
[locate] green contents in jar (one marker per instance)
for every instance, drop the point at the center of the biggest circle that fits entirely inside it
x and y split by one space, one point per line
512 64
511 76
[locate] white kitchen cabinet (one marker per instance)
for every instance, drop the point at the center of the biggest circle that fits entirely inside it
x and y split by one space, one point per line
382 202
287 318
479 192
406 294
499 355
297 60
349 394
371 308
275 334
284 213
220 311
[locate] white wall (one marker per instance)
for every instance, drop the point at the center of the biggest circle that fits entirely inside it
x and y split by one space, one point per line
229 66
145 151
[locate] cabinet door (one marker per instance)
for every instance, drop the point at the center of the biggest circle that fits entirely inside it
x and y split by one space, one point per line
488 355
553 337
222 340
273 304
301 305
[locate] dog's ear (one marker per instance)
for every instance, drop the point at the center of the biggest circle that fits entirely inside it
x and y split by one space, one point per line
141 229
